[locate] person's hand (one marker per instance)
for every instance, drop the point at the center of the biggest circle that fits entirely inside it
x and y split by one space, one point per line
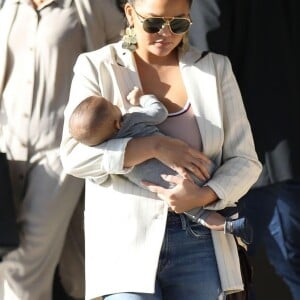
172 152
180 157
185 196
134 96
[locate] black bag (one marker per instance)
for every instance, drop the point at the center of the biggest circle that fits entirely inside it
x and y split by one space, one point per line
247 275
9 236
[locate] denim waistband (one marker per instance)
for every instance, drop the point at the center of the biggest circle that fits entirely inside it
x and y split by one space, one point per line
173 217
175 220
182 222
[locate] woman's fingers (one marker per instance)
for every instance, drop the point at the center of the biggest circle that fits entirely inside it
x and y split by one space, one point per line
200 164
178 155
200 169
152 187
200 156
181 197
161 191
174 179
183 172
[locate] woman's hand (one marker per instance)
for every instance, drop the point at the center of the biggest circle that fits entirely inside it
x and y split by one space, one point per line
179 156
185 196
174 153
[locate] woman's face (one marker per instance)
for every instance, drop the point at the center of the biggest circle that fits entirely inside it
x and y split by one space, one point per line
163 42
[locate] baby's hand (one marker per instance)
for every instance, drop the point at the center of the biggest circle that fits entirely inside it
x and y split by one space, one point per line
134 96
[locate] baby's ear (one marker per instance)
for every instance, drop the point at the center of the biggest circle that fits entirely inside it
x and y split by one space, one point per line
117 124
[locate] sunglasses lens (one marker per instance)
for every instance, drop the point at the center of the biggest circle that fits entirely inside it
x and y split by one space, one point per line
179 25
153 25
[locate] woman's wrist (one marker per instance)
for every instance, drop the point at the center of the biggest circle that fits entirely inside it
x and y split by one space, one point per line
141 149
207 196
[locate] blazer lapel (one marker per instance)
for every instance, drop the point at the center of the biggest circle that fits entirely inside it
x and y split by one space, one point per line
200 79
125 74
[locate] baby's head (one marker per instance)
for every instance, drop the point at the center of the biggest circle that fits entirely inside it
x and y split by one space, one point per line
94 120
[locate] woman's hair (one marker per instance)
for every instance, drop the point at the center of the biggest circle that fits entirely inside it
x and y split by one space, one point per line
121 3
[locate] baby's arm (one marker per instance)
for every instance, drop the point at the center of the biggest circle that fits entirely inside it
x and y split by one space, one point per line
146 108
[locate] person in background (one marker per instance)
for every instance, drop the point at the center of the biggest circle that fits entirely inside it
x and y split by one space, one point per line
40 41
139 244
264 53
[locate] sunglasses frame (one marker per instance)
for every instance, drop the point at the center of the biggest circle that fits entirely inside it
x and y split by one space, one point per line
167 22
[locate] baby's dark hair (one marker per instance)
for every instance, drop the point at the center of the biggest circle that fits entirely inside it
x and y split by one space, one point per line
88 119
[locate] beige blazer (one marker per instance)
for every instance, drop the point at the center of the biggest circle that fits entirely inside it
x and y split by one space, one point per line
124 224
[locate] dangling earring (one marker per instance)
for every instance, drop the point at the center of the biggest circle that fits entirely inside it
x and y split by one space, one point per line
129 39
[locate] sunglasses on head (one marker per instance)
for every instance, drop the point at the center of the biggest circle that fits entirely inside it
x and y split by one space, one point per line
155 24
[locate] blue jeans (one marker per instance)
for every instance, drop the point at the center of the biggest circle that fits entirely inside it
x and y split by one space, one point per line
274 212
187 266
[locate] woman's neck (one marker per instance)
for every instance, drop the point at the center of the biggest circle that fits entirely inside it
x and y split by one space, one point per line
157 61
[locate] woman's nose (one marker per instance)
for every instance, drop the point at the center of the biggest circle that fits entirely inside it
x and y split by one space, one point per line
165 30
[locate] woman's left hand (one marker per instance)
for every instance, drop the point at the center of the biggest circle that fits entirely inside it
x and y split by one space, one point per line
185 195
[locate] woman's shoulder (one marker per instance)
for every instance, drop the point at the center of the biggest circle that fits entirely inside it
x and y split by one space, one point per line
206 53
206 60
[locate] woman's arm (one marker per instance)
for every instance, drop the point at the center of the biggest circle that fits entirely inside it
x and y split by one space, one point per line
94 163
174 153
117 156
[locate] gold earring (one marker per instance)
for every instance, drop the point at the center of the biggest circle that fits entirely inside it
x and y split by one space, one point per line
129 39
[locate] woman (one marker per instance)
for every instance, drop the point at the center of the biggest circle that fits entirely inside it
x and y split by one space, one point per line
138 244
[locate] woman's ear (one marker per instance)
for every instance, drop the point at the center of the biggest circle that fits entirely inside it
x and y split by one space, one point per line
128 9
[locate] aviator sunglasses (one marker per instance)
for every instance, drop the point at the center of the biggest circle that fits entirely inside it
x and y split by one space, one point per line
155 24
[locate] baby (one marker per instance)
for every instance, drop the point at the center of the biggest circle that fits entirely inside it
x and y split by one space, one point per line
96 120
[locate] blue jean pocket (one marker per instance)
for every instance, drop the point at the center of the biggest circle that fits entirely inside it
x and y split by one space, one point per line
197 231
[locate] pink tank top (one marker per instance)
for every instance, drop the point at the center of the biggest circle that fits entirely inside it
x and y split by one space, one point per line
183 125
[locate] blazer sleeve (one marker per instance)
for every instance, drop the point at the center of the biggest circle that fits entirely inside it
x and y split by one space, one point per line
98 162
239 167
